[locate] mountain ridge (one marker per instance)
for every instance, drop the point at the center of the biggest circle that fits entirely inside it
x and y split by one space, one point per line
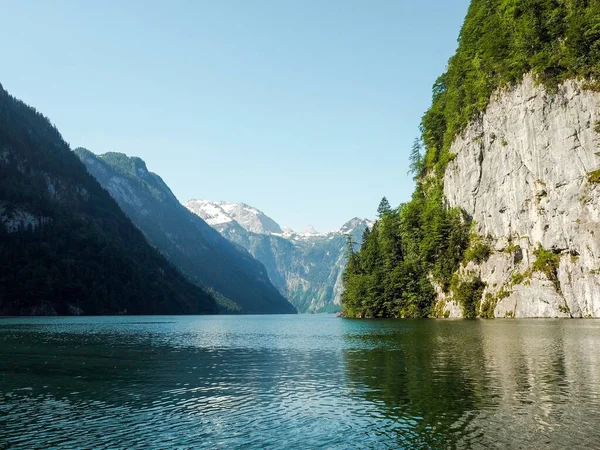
201 207
67 248
306 267
187 240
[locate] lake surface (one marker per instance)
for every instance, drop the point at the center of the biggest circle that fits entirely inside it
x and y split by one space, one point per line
298 382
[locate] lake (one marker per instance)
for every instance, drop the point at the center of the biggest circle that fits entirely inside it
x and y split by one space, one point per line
298 382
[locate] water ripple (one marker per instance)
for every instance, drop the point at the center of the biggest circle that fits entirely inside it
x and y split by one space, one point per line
286 382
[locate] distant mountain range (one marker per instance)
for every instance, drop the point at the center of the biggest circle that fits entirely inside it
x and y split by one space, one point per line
239 282
82 233
306 267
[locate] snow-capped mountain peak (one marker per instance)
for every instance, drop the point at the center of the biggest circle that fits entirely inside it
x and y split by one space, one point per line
308 272
309 229
355 223
219 213
212 212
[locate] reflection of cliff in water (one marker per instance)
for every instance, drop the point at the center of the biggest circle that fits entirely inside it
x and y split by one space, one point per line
464 383
299 382
411 371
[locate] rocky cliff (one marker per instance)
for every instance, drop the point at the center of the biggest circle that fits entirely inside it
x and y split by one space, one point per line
527 172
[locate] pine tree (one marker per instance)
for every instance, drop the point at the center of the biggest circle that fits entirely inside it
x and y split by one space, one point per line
384 207
416 159
365 237
349 246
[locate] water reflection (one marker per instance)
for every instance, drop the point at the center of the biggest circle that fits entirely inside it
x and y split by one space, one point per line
488 384
423 380
298 382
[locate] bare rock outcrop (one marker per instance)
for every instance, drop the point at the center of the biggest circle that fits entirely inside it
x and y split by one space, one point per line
527 172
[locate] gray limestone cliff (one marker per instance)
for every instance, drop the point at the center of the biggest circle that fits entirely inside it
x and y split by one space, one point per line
527 172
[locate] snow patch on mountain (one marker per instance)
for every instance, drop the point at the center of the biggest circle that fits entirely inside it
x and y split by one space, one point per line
211 212
306 267
219 212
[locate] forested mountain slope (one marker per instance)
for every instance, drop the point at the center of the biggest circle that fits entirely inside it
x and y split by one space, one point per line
66 247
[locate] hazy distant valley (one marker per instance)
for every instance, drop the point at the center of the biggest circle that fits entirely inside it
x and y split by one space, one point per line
303 268
69 248
306 267
239 282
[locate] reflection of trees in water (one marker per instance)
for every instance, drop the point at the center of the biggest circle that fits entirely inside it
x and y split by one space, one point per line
529 383
417 384
429 376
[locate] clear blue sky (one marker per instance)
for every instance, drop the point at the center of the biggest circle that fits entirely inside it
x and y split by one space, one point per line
306 109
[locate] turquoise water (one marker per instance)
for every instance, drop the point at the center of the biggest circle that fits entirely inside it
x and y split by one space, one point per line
298 382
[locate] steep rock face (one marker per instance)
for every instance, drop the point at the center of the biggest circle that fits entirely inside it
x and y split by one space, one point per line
305 267
524 172
239 281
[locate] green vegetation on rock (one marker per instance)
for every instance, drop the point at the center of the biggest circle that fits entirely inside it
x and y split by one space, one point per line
512 247
594 177
518 277
467 293
486 310
422 242
478 251
500 41
547 263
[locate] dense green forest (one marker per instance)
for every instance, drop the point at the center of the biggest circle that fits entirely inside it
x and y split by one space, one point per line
66 246
422 243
